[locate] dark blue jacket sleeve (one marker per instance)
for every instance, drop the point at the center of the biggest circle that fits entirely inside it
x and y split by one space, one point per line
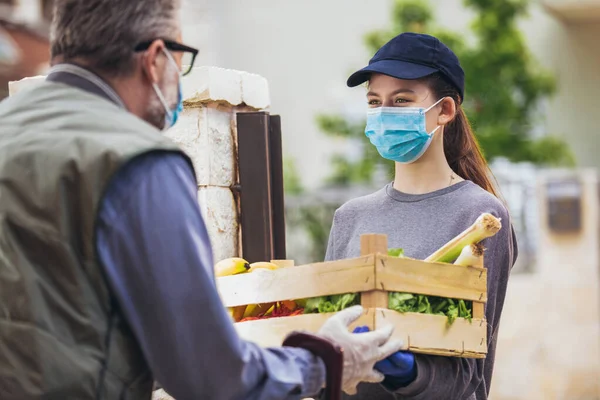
156 253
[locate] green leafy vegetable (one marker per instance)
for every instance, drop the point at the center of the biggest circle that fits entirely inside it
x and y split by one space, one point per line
326 307
313 304
301 302
334 303
418 303
396 252
342 301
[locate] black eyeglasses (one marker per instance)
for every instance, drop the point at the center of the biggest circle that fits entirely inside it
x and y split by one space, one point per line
189 53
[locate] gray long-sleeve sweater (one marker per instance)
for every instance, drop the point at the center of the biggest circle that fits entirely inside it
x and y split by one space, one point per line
420 224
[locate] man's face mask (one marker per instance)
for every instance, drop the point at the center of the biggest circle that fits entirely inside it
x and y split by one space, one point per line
171 116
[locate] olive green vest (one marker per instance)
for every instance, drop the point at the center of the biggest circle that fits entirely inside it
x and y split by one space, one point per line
62 335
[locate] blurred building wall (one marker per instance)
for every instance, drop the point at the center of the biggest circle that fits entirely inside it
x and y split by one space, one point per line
549 336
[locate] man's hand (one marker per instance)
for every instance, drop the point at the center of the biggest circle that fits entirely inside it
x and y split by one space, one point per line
399 368
361 351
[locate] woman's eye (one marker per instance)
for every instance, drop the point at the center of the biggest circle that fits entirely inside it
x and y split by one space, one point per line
401 101
373 102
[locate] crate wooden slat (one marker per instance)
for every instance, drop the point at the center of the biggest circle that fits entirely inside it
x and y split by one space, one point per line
434 279
430 334
284 263
302 281
272 332
478 310
374 244
421 333
479 306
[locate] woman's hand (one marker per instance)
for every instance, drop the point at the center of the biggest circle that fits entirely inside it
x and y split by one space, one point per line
399 369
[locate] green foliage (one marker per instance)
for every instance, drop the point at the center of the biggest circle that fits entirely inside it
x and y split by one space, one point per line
314 219
345 171
291 179
504 86
317 222
550 151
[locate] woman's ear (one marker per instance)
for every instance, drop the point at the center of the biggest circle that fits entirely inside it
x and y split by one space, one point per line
448 111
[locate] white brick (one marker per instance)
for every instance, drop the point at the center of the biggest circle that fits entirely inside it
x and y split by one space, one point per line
205 134
219 210
15 87
213 84
255 91
186 133
220 147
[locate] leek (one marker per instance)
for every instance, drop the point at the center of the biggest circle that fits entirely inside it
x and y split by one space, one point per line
470 256
484 227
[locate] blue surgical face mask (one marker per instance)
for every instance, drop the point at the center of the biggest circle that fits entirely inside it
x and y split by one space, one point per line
399 133
171 116
179 109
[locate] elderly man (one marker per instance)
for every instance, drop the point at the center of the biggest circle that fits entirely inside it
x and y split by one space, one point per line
106 280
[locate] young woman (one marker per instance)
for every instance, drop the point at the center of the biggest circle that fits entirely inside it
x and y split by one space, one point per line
441 186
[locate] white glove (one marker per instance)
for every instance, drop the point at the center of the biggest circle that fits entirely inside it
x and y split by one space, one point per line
361 350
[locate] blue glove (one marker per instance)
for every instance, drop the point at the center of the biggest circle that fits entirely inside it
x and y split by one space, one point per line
399 368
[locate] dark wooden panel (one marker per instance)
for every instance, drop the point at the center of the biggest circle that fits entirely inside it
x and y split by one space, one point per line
277 190
254 163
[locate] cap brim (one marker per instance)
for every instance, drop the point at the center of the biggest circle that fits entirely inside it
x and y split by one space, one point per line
394 68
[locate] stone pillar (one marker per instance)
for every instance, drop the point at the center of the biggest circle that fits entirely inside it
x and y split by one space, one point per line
207 132
15 87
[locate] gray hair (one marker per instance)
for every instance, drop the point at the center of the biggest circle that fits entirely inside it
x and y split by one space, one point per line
105 32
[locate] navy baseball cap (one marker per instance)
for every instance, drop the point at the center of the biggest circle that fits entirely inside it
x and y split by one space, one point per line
413 56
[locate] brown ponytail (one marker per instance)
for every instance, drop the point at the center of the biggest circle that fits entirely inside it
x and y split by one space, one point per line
460 145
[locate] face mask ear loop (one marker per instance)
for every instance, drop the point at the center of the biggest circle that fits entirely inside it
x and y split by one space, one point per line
158 91
172 60
435 130
430 107
434 104
162 100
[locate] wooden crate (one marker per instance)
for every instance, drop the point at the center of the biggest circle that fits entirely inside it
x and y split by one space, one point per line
374 274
